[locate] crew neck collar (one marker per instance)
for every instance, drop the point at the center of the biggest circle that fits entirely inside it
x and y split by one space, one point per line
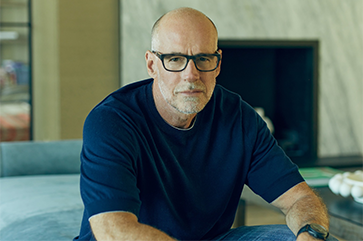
159 120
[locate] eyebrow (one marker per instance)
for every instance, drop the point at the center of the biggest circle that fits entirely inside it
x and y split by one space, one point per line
176 53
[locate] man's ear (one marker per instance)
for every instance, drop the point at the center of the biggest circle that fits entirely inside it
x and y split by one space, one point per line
150 63
218 70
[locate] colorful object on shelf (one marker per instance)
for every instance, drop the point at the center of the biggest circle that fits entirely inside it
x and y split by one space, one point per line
318 176
14 121
8 35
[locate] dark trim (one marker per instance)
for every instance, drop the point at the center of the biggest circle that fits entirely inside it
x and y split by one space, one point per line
30 63
119 43
341 161
268 43
316 60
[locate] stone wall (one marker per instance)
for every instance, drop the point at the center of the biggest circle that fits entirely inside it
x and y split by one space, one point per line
336 24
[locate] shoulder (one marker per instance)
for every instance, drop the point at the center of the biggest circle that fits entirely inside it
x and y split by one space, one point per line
126 97
223 94
229 102
128 93
120 110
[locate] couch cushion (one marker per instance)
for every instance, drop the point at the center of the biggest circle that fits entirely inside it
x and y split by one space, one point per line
40 157
40 207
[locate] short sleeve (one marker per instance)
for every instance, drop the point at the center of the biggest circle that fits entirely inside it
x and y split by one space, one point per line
108 173
271 171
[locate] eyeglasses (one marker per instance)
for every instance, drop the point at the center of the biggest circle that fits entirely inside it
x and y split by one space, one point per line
178 62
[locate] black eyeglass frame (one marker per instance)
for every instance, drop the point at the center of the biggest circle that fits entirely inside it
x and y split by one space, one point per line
189 57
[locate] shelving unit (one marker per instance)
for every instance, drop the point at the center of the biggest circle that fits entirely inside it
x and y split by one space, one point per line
15 70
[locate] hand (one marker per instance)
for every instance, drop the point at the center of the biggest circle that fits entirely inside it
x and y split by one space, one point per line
306 237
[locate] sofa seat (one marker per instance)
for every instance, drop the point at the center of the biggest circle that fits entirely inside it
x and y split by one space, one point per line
39 191
43 207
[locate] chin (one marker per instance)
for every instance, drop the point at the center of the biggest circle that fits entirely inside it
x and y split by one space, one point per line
190 109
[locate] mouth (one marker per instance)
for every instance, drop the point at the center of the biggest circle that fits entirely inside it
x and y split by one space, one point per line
190 92
191 89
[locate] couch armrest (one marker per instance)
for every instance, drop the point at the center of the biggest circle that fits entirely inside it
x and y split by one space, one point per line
40 157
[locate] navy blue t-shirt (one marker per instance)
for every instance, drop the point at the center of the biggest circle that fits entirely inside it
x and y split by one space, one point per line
186 183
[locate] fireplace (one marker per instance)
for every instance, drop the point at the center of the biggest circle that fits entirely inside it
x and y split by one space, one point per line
281 77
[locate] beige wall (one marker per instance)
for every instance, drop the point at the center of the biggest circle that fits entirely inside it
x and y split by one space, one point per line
75 63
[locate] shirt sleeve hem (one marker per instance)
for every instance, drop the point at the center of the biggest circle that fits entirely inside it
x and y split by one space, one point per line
281 186
112 205
108 212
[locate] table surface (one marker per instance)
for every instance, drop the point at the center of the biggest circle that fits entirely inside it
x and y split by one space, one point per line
344 208
346 215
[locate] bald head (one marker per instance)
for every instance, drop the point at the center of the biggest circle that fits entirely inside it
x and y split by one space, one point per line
188 18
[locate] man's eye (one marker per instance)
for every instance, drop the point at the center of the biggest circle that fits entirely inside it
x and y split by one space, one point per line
175 59
204 59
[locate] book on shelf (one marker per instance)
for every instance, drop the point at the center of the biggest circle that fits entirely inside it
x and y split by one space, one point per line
8 35
318 176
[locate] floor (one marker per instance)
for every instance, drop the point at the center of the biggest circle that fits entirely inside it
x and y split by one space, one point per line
260 215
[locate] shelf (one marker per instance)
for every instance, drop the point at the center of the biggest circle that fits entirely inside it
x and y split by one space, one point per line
14 25
18 41
340 161
7 3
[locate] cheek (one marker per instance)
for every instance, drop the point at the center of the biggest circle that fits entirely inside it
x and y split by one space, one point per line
166 85
210 84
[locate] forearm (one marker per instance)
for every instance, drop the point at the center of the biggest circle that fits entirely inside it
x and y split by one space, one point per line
136 232
114 226
307 209
302 206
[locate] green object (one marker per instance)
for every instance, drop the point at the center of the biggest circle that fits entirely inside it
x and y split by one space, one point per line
318 176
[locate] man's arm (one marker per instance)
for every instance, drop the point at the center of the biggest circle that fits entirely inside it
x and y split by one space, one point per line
123 226
302 206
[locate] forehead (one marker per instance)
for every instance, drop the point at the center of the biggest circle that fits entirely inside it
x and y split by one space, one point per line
189 35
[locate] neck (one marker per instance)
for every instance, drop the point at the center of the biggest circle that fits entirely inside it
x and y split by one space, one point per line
181 122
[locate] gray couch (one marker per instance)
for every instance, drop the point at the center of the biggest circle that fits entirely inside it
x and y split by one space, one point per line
39 190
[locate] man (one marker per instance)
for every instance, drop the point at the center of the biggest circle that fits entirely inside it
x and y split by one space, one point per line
167 158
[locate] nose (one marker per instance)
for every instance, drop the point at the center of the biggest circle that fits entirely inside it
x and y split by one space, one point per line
191 73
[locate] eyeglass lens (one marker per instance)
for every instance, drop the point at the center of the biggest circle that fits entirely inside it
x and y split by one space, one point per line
203 62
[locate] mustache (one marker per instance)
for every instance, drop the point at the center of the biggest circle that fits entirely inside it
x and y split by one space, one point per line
190 86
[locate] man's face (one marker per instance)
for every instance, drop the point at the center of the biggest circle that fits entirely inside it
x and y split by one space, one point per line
187 91
190 90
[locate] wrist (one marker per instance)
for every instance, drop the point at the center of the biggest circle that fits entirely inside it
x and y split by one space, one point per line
306 237
313 230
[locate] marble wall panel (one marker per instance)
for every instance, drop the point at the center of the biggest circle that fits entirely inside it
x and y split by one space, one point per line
337 24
